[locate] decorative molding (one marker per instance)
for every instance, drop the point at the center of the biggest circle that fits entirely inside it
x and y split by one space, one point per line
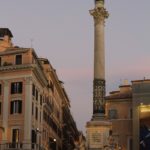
98 96
16 67
6 82
99 14
28 80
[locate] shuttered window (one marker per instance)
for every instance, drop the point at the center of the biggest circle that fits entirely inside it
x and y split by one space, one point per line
18 59
16 107
16 87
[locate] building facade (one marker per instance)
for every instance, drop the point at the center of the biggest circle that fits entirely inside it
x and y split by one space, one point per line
129 111
32 100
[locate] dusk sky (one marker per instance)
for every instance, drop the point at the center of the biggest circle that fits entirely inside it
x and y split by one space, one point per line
62 31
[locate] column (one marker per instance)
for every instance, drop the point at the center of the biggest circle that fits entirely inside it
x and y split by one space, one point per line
99 14
28 113
5 110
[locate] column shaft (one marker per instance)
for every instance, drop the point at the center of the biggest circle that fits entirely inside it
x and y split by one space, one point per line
99 14
99 53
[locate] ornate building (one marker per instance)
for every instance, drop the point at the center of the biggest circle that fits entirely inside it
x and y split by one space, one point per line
129 111
33 102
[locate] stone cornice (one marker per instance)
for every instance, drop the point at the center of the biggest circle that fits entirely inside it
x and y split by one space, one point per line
16 67
40 75
99 14
38 72
14 51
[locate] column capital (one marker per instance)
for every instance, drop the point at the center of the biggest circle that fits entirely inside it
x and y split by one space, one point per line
28 80
6 82
99 14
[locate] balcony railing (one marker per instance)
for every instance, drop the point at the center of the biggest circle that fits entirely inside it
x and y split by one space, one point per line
21 146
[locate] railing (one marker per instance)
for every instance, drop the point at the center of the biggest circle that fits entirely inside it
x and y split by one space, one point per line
21 146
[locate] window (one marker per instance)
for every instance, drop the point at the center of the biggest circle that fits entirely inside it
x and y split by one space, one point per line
40 117
33 90
36 113
0 89
41 99
32 108
0 108
130 113
33 138
112 113
15 135
130 143
18 59
16 107
16 87
36 94
0 61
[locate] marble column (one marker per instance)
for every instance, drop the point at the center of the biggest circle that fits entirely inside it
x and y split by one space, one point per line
98 128
99 14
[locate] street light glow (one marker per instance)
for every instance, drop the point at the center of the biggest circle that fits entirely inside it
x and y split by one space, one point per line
54 140
145 108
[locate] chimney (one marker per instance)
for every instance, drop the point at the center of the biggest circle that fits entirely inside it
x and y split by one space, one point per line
5 39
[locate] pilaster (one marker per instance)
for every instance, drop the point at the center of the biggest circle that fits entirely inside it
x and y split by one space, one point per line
28 112
5 111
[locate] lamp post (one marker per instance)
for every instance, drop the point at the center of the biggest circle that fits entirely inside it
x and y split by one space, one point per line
36 140
52 143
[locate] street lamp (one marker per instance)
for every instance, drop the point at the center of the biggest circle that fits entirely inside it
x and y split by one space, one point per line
38 132
52 143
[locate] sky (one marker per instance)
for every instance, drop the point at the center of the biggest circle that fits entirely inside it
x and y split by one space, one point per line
62 31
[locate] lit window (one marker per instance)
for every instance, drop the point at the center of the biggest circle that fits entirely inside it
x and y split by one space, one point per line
15 135
18 59
130 143
16 87
16 107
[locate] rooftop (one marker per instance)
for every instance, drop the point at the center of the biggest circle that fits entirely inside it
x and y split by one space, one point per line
124 92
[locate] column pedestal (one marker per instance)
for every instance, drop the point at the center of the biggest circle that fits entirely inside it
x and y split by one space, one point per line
97 134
